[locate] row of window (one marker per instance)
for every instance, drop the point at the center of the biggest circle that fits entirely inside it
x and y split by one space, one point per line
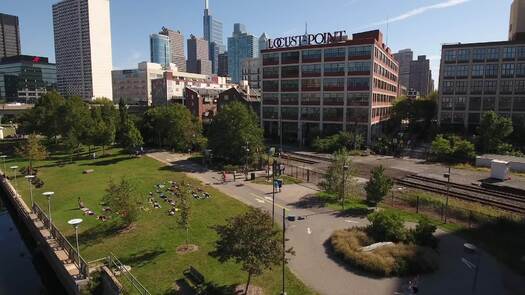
358 115
487 87
336 98
315 55
484 54
508 70
382 71
387 60
380 84
328 84
315 70
476 104
471 118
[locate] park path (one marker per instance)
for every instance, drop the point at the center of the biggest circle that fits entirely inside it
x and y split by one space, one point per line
313 263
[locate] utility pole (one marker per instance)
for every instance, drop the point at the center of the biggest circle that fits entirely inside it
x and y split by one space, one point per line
447 175
284 249
345 168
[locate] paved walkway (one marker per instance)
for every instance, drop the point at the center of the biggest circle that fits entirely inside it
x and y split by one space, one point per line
316 267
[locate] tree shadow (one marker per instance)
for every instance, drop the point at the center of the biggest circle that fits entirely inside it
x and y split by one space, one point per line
215 289
310 202
354 212
140 258
104 230
187 166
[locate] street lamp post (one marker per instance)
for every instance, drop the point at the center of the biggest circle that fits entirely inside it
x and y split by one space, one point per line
75 223
274 165
29 178
471 249
3 159
447 176
284 250
48 195
247 150
14 168
345 169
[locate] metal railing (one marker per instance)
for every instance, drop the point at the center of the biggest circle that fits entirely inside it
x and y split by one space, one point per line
303 173
63 242
115 265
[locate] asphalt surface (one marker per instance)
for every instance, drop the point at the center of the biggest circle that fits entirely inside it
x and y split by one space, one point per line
316 266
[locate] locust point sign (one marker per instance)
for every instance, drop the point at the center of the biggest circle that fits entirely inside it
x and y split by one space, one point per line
308 39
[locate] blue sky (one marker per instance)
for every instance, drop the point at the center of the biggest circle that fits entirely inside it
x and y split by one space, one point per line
422 25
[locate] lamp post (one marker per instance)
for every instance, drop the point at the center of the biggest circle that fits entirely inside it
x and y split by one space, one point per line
48 195
75 223
284 251
472 250
345 169
247 150
29 178
3 159
447 176
14 171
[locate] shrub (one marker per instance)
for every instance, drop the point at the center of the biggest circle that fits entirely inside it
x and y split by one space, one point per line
452 149
399 259
386 227
423 234
330 144
378 186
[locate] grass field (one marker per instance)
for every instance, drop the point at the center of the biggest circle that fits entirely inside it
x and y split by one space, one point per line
149 247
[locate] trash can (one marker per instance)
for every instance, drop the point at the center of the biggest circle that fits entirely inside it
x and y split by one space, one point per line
252 177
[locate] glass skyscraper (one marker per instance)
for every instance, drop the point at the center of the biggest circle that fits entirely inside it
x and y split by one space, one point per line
160 49
240 46
213 34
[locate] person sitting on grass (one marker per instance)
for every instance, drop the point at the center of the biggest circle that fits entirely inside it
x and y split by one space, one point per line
80 204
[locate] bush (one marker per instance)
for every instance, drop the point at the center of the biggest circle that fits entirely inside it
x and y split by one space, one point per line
378 186
423 234
399 259
386 227
452 149
330 144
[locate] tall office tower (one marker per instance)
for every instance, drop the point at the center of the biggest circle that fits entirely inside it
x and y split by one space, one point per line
517 20
421 76
222 70
404 57
160 49
198 56
240 46
263 42
213 34
177 48
9 35
83 55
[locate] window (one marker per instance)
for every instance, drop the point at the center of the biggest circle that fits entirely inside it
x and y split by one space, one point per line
459 103
446 117
290 72
490 87
506 86
519 86
360 51
334 69
332 114
270 98
458 118
270 59
311 99
520 53
271 86
270 72
311 85
448 87
519 104
334 84
359 67
462 71
289 85
358 99
474 104
505 104
311 55
507 70
520 70
509 53
450 55
310 114
489 104
446 103
290 99
476 87
335 54
358 84
334 99
289 113
461 87
474 118
311 70
290 57
450 71
463 55
478 54
478 71
492 53
359 115
270 112
491 70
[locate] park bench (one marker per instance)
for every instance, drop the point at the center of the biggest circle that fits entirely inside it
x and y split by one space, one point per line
88 171
195 277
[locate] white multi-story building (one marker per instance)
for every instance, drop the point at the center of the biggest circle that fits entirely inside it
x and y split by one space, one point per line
83 48
133 86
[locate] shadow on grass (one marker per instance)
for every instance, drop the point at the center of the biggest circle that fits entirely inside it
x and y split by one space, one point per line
141 258
104 230
184 288
112 160
356 211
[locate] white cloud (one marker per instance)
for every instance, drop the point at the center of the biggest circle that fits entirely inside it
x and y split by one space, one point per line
420 10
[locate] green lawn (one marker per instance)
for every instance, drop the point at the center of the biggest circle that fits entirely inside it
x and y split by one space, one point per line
286 180
150 246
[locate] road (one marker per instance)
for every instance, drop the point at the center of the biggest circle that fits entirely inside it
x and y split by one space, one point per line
313 262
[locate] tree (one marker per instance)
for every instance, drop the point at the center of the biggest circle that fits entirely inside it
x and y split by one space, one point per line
102 132
386 226
45 117
251 240
423 234
493 130
452 149
32 150
185 209
71 144
235 135
330 144
130 138
123 200
336 179
378 186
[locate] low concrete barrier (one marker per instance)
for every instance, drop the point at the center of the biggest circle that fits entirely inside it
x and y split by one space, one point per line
516 164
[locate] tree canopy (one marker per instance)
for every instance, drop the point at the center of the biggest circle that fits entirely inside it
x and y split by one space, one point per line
336 179
378 186
493 130
32 150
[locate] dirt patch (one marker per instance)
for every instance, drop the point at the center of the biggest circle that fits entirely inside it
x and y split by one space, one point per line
252 290
186 249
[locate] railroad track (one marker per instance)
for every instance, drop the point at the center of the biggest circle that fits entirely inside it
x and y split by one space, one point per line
509 202
295 158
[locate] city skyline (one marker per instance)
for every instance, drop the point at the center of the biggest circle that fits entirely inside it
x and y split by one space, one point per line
422 26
